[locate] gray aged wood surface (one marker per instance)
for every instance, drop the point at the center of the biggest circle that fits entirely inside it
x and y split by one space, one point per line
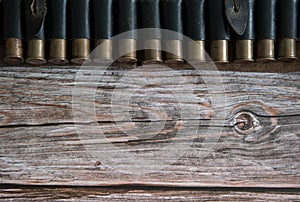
260 148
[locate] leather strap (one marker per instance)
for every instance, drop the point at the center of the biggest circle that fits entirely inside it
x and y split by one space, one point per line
265 18
218 26
103 18
80 19
35 14
237 15
57 19
194 16
127 16
249 33
149 15
287 18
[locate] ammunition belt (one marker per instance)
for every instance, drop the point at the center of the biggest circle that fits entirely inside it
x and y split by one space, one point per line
63 31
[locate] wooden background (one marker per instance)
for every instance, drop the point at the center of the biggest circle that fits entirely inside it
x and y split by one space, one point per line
42 156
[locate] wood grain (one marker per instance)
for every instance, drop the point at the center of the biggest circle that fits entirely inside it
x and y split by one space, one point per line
138 194
32 96
55 155
40 144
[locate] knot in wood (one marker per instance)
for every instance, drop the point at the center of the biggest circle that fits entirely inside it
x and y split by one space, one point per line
246 122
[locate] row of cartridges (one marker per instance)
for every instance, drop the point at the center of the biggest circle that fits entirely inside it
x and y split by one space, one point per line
63 31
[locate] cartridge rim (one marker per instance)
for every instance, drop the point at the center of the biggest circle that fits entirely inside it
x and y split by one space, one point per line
266 60
246 60
128 59
13 51
58 61
103 60
153 61
174 61
13 59
287 59
80 61
36 61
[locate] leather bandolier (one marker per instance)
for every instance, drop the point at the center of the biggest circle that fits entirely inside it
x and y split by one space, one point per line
222 31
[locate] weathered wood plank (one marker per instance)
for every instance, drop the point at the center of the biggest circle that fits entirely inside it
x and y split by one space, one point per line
55 155
39 143
137 194
43 95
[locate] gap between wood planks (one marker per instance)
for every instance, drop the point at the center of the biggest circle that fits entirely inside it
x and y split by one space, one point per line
153 187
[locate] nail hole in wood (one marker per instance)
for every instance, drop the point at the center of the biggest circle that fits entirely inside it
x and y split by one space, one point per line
97 163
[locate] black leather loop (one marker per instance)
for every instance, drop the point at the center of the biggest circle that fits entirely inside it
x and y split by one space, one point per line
218 27
194 18
80 19
35 14
57 19
149 15
265 18
249 33
103 18
237 15
287 18
127 16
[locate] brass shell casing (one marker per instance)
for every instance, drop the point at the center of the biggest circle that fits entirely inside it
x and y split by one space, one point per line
174 52
36 52
220 51
130 46
152 54
266 50
287 50
58 51
80 51
13 51
244 51
197 54
103 53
